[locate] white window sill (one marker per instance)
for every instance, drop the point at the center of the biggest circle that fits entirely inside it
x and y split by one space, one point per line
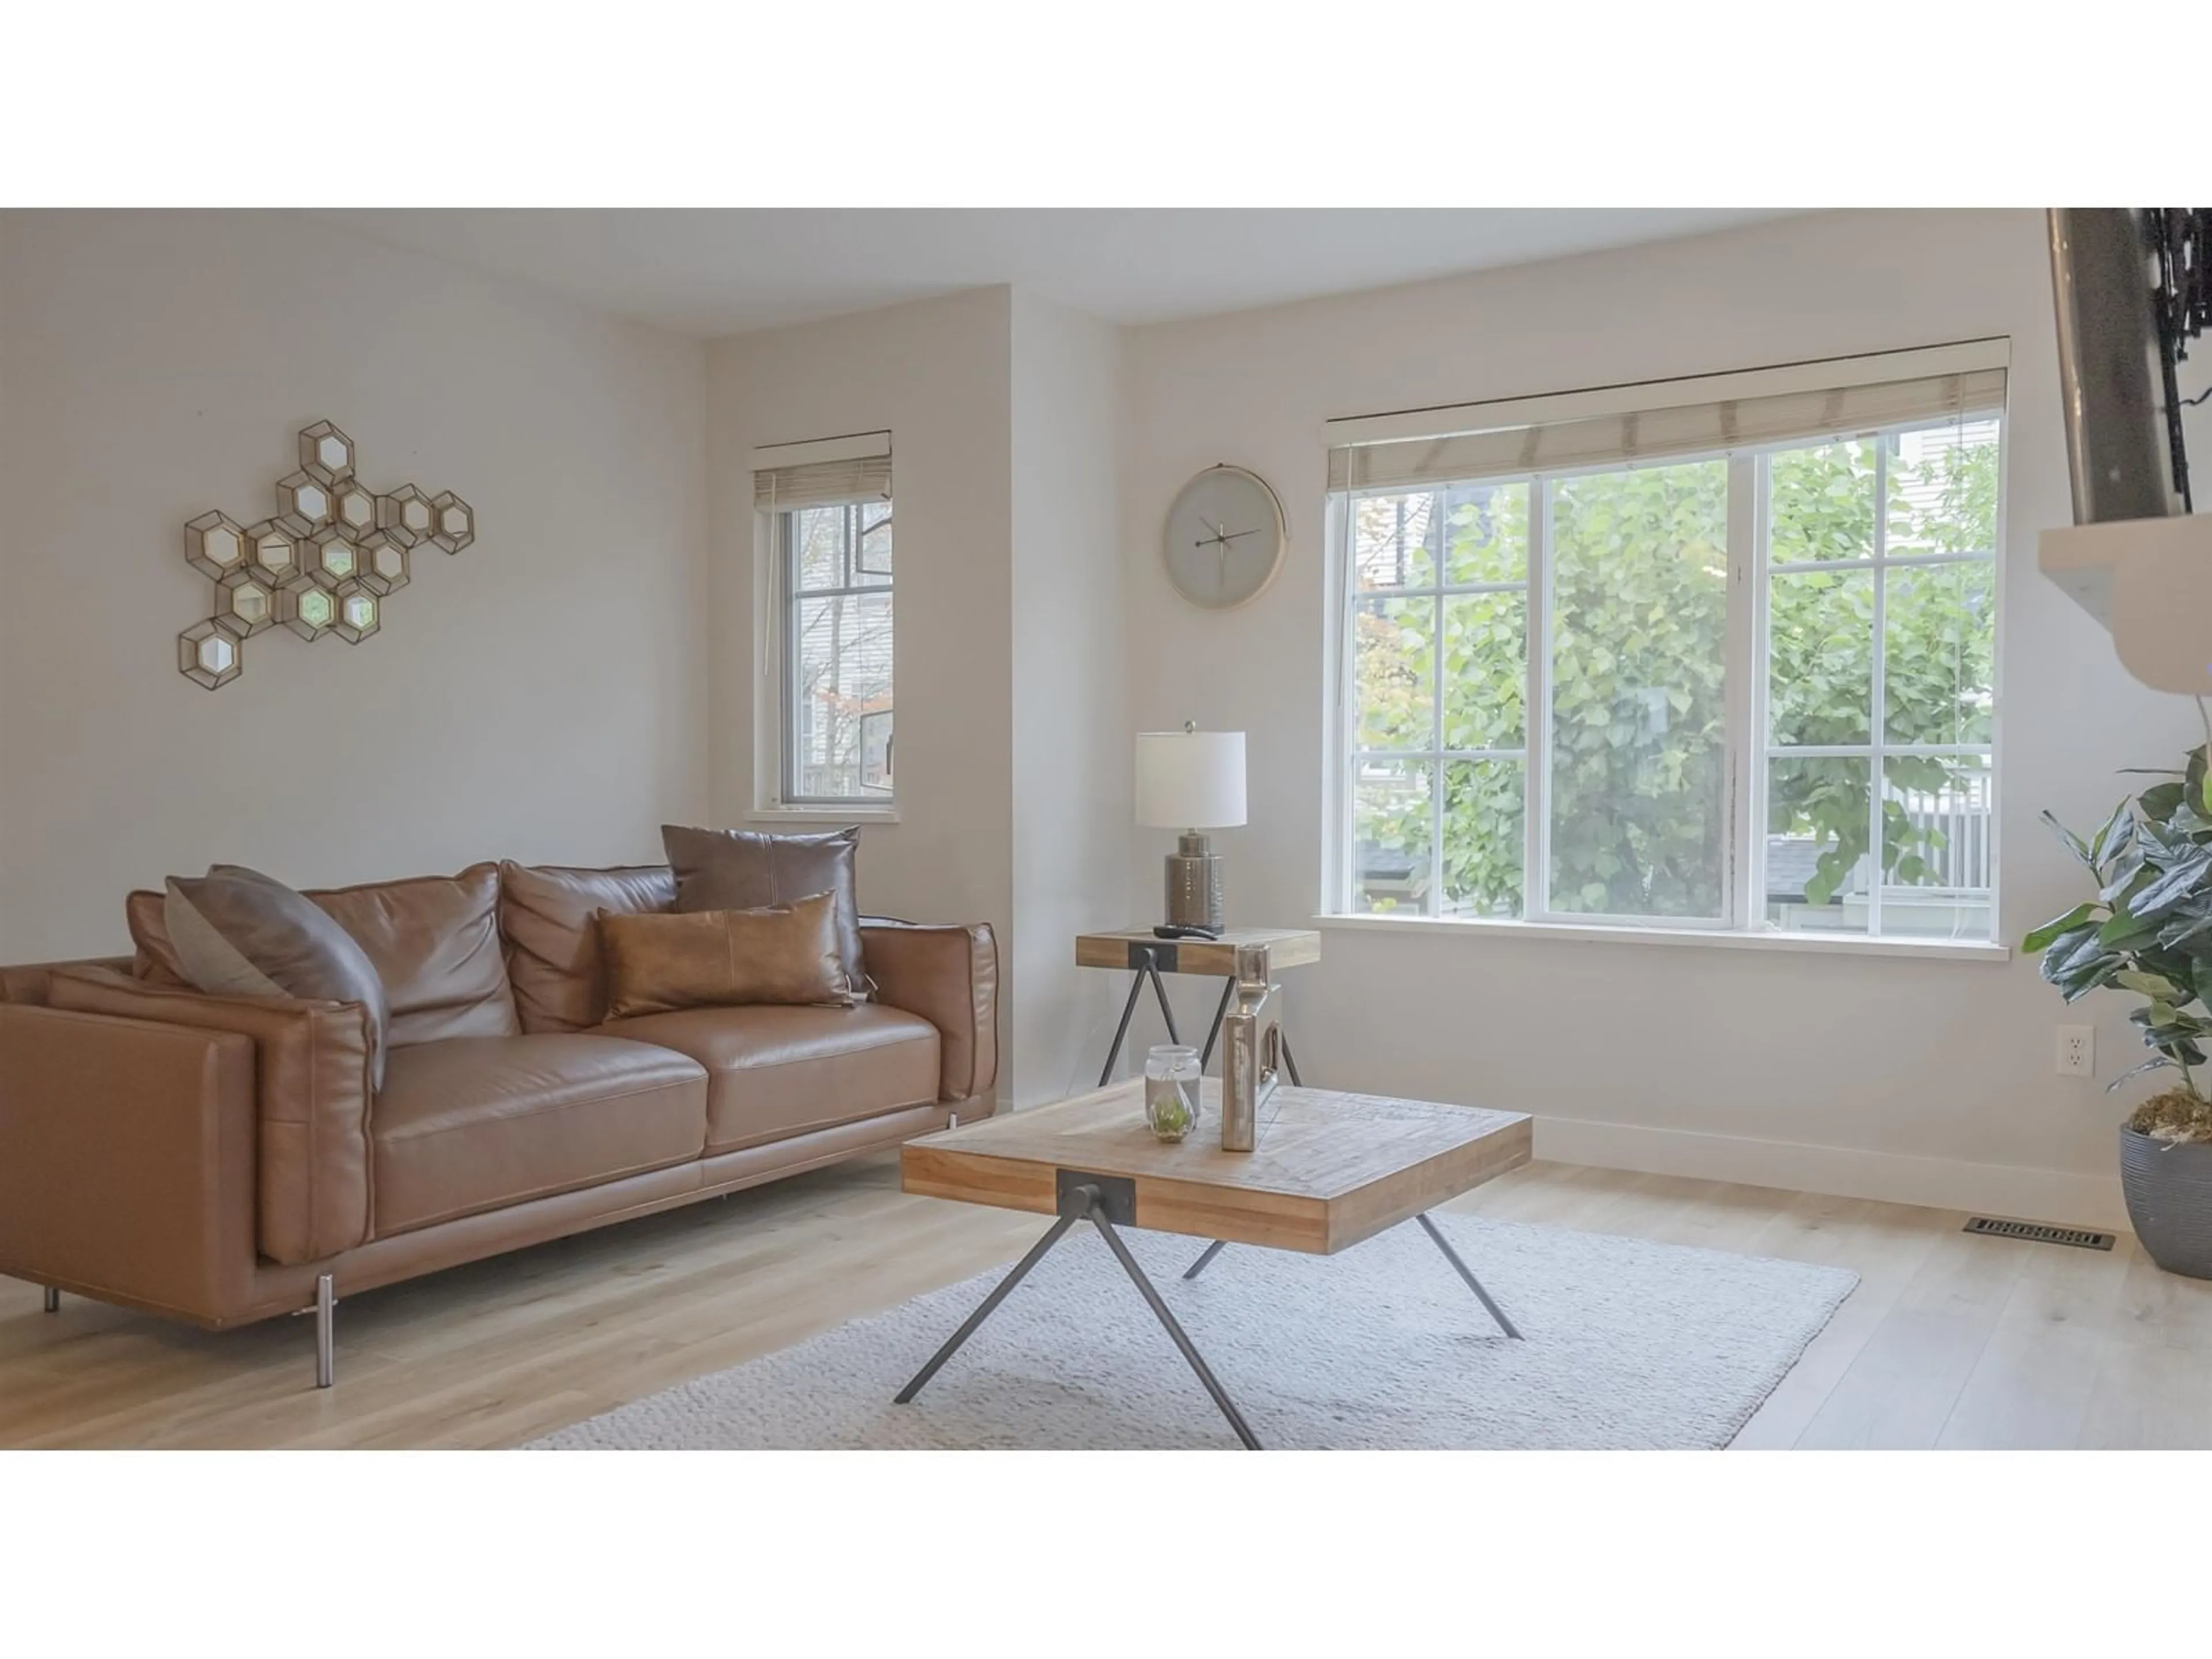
1849 944
812 813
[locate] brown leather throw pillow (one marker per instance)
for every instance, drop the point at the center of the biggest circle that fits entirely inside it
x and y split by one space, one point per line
240 933
743 869
657 962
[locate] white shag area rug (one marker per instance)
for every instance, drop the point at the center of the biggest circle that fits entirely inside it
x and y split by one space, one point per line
1627 1344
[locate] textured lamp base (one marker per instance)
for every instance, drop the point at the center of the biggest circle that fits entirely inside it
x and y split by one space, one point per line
1194 884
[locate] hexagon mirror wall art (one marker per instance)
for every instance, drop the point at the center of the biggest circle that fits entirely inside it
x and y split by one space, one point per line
383 562
359 613
327 563
208 656
308 610
452 522
274 552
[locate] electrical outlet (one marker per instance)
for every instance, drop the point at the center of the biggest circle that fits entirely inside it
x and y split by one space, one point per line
2077 1050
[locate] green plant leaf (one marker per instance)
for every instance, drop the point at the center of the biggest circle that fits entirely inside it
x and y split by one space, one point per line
2125 930
2161 800
2188 877
2042 938
2117 830
2152 985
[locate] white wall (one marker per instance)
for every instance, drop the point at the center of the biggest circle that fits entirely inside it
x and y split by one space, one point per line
1071 764
1881 1077
540 696
936 374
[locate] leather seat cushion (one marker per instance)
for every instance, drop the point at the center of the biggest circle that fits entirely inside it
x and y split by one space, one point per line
773 1072
475 1124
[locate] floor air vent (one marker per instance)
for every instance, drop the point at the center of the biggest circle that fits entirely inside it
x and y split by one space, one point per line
2036 1233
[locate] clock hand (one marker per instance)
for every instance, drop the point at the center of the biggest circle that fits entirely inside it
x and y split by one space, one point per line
1234 534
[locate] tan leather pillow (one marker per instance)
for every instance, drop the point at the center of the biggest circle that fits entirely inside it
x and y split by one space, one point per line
743 869
781 953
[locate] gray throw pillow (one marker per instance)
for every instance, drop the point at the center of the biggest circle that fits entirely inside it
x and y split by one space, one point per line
238 932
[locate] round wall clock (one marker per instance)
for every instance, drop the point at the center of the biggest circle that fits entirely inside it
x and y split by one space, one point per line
1225 538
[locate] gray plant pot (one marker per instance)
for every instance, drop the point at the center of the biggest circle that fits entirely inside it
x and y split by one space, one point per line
2169 1192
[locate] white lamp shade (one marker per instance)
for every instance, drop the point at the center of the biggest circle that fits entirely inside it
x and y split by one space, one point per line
1190 780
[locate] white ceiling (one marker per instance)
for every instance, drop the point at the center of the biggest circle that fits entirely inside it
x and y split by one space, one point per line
709 272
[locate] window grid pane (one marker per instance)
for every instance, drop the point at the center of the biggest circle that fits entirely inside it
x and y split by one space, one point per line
837 730
1882 671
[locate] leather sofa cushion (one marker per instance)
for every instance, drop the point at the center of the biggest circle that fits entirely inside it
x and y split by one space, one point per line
778 1072
470 1124
548 914
744 869
780 953
434 940
240 933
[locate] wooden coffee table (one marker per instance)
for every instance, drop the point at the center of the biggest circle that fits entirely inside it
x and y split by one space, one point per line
1329 1170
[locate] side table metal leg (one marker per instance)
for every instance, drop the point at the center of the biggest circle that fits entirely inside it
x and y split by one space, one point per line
1168 1319
1058 1232
1473 1283
53 1299
1291 1060
1213 1031
1160 990
1121 1031
1199 1266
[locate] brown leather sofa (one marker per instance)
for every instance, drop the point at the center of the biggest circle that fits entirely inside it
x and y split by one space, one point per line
223 1159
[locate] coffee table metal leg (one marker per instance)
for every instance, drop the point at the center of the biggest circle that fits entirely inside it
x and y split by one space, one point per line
1093 1211
1473 1283
1199 1266
1168 1319
1058 1232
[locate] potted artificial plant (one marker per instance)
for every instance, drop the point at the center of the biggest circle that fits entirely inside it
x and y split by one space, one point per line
2150 932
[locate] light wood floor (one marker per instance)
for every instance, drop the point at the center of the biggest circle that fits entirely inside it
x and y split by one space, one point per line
1949 1340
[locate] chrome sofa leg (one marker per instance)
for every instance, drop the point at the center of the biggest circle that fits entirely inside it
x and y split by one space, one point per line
53 1299
326 1303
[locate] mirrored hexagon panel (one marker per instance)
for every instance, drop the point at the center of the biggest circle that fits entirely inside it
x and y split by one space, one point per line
305 500
331 559
245 603
359 614
405 512
453 521
325 454
383 562
306 608
208 655
273 551
214 545
355 507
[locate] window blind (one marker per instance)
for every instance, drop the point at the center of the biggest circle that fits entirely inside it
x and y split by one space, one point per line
1479 451
833 472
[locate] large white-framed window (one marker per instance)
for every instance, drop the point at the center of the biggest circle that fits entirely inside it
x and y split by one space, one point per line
1712 655
828 596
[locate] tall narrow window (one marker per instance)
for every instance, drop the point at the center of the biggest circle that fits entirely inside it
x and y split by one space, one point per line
831 523
1717 662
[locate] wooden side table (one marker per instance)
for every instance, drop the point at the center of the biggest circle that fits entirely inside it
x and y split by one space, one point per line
1147 956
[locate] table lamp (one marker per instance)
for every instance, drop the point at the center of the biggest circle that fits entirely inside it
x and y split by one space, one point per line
1191 781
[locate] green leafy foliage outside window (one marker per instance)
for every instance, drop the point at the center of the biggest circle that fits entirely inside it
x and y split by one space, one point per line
1637 675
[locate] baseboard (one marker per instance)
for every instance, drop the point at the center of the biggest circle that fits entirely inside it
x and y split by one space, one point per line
2004 1189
